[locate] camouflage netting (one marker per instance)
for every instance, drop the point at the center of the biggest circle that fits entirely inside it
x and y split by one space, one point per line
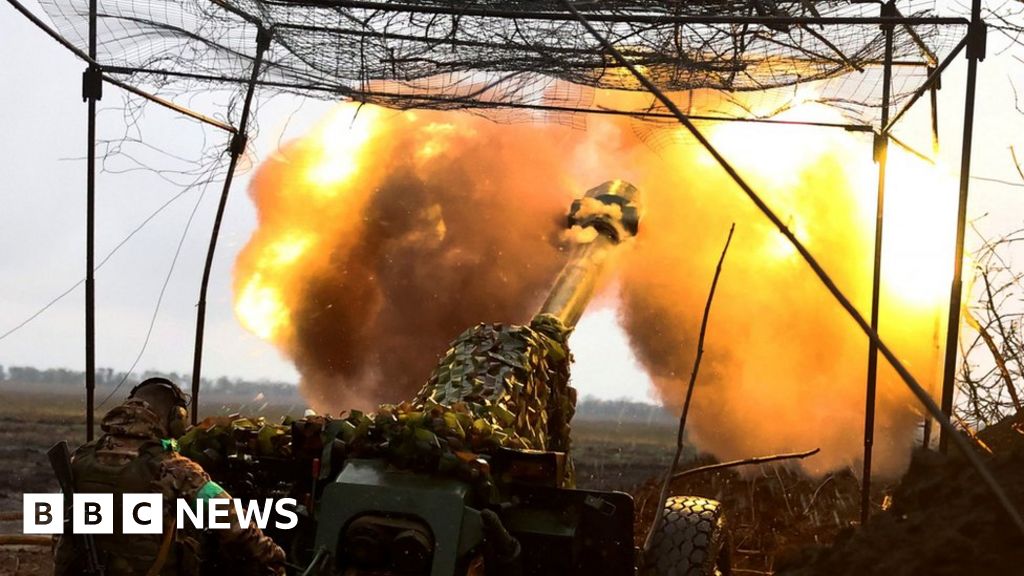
497 386
509 60
515 381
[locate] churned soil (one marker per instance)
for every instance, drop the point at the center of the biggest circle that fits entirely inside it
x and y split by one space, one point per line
943 520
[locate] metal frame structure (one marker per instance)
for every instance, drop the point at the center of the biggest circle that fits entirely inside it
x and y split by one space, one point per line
881 149
889 18
92 91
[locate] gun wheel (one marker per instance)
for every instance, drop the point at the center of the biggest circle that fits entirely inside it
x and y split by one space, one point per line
692 539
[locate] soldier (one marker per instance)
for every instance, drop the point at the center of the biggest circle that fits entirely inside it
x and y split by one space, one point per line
137 454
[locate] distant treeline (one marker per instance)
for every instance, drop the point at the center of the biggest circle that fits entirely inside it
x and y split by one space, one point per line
590 408
65 380
108 378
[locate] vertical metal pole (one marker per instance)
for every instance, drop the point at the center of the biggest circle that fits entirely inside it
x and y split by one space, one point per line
92 85
975 52
926 439
237 147
933 92
881 148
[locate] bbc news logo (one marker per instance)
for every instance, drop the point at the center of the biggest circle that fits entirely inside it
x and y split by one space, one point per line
144 513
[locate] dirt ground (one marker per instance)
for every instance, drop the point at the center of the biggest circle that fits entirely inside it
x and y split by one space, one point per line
29 425
943 520
25 561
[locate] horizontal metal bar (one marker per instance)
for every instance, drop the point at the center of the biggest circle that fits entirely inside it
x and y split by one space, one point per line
916 63
611 111
128 70
612 17
170 105
357 95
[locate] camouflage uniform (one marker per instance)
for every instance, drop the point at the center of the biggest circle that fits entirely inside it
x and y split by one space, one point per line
133 456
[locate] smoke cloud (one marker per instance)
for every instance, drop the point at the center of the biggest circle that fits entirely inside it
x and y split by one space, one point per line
443 223
383 235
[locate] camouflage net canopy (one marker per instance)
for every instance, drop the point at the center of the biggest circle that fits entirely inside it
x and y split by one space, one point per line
510 60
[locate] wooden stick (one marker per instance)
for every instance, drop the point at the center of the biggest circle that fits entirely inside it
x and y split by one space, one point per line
1007 338
814 497
23 540
1016 164
745 462
648 542
972 435
996 355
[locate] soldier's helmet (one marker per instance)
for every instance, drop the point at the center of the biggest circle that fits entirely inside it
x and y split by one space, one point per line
167 400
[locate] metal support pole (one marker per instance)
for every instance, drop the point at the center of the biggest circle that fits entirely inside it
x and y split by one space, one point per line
92 90
975 52
880 150
926 433
236 148
933 92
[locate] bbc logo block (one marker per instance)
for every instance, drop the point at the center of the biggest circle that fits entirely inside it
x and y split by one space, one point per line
92 514
43 514
142 514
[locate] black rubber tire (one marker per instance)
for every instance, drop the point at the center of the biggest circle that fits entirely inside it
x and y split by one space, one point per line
692 540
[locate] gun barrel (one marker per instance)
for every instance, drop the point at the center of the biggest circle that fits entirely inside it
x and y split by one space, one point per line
606 216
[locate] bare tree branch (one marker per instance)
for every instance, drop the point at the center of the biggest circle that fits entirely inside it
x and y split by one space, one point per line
996 354
689 395
745 462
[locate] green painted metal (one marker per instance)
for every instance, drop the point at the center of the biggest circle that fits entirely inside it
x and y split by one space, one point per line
373 487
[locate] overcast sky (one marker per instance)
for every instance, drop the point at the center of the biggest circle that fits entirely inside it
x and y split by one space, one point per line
42 222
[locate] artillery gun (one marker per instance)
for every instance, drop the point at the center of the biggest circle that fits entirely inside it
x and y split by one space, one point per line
473 476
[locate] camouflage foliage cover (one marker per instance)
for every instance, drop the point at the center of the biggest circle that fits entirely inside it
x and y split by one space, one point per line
496 386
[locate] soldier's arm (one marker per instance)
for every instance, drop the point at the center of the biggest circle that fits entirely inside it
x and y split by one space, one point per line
247 548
